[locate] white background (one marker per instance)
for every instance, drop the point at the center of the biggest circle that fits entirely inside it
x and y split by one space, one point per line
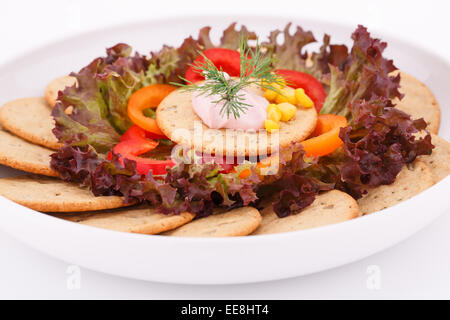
417 268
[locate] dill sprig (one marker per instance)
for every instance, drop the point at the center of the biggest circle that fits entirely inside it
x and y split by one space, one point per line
256 69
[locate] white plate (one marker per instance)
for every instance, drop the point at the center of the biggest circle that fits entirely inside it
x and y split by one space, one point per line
225 260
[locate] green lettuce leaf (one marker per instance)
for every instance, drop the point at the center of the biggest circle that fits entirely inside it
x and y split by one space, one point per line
231 36
94 112
289 54
168 64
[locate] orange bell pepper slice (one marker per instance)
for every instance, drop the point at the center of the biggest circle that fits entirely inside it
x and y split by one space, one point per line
245 173
147 97
325 138
265 163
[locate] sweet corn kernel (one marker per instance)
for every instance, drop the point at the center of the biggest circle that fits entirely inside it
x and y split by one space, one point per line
273 113
271 125
287 95
280 99
270 95
271 106
303 99
287 110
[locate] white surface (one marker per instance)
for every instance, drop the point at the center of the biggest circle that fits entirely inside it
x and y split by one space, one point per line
417 268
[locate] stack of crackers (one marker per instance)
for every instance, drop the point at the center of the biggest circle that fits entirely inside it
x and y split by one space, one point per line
27 141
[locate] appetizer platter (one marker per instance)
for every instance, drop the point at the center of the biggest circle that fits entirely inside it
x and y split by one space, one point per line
247 139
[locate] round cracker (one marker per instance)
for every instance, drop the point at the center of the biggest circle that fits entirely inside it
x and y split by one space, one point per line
56 85
176 118
439 160
329 208
30 119
237 222
54 195
419 102
136 220
412 180
22 155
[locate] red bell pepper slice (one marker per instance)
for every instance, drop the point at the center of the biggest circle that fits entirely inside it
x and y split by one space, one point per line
313 88
226 59
137 141
230 61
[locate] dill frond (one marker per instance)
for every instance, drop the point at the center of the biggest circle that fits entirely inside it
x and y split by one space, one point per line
256 69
